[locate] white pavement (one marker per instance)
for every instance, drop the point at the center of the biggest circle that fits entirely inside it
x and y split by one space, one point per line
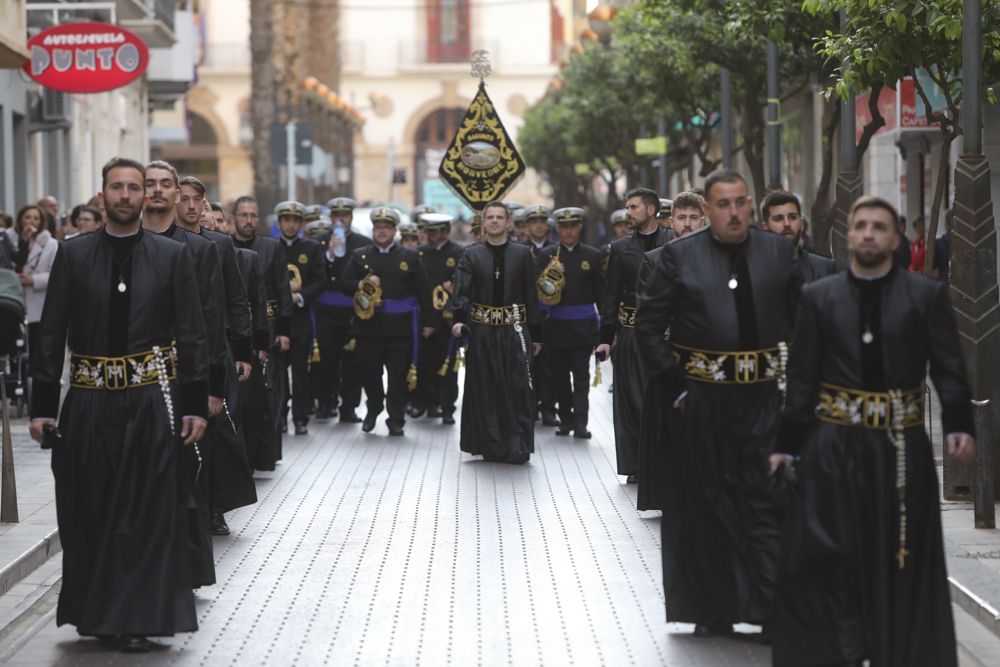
367 550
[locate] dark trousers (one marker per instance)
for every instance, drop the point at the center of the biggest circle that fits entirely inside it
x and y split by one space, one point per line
395 355
336 374
301 350
541 374
570 369
433 388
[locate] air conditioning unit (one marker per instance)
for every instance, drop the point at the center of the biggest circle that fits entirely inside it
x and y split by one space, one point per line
54 106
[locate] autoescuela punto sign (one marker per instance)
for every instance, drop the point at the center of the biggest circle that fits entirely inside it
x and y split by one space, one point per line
86 57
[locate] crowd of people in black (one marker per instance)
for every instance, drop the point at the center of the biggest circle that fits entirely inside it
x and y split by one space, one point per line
770 406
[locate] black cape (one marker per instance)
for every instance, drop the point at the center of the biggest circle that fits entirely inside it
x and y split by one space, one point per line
841 595
720 526
498 405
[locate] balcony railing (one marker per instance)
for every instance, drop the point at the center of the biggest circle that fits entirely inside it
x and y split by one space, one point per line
362 55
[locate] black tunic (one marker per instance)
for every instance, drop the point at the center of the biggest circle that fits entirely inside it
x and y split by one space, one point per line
628 364
720 527
498 406
841 595
584 287
121 480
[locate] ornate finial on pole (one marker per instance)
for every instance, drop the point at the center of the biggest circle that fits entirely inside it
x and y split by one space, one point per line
481 67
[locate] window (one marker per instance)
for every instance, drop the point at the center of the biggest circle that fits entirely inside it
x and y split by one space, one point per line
448 31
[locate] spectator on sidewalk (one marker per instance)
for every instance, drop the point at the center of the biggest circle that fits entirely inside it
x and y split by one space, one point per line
918 248
901 255
34 272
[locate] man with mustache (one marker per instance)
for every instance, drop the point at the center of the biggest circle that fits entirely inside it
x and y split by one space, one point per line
618 309
127 304
728 295
782 214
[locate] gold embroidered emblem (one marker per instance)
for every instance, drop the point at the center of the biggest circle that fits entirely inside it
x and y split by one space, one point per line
404 266
585 265
451 261
303 259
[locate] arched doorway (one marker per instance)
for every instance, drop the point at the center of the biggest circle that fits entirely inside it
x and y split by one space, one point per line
433 135
198 158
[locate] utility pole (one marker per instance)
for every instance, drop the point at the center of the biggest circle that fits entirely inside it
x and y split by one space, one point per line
848 178
661 131
974 276
726 102
773 119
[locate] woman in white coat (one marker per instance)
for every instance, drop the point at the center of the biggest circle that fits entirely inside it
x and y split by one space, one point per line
41 252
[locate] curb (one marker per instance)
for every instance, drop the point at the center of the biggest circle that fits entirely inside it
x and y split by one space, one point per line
975 606
29 561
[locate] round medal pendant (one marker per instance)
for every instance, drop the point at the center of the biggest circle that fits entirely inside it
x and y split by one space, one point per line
867 338
121 287
733 283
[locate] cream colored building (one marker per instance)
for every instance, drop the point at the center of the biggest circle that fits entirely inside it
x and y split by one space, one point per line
406 66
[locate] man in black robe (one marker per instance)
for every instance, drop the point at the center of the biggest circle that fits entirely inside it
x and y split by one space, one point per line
160 217
617 337
389 332
862 570
341 381
307 271
536 223
686 215
781 212
250 408
268 389
728 294
571 322
230 477
495 305
133 409
437 377
619 228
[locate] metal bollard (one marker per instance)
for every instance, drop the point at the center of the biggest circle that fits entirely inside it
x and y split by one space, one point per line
8 487
982 475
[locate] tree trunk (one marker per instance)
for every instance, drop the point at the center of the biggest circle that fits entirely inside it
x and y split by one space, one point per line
944 163
752 131
822 206
262 108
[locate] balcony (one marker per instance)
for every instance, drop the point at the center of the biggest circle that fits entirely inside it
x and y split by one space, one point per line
152 20
13 27
172 70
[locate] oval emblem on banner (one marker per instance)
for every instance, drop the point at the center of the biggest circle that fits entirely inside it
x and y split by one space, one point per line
86 57
480 155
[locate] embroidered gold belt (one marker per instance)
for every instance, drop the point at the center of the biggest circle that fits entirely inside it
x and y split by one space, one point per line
272 309
742 367
626 316
870 409
115 373
498 316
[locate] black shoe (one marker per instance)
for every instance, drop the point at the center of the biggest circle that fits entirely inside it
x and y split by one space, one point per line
631 479
563 430
301 427
135 644
549 420
396 431
448 418
582 433
434 412
713 629
219 525
369 424
324 412
349 416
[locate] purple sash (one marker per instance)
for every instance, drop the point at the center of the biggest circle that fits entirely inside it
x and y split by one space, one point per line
336 299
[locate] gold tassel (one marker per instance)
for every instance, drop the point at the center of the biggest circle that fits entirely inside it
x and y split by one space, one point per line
315 355
598 376
459 360
411 378
351 344
444 367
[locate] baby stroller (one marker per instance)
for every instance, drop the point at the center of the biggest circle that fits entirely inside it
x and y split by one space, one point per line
13 340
